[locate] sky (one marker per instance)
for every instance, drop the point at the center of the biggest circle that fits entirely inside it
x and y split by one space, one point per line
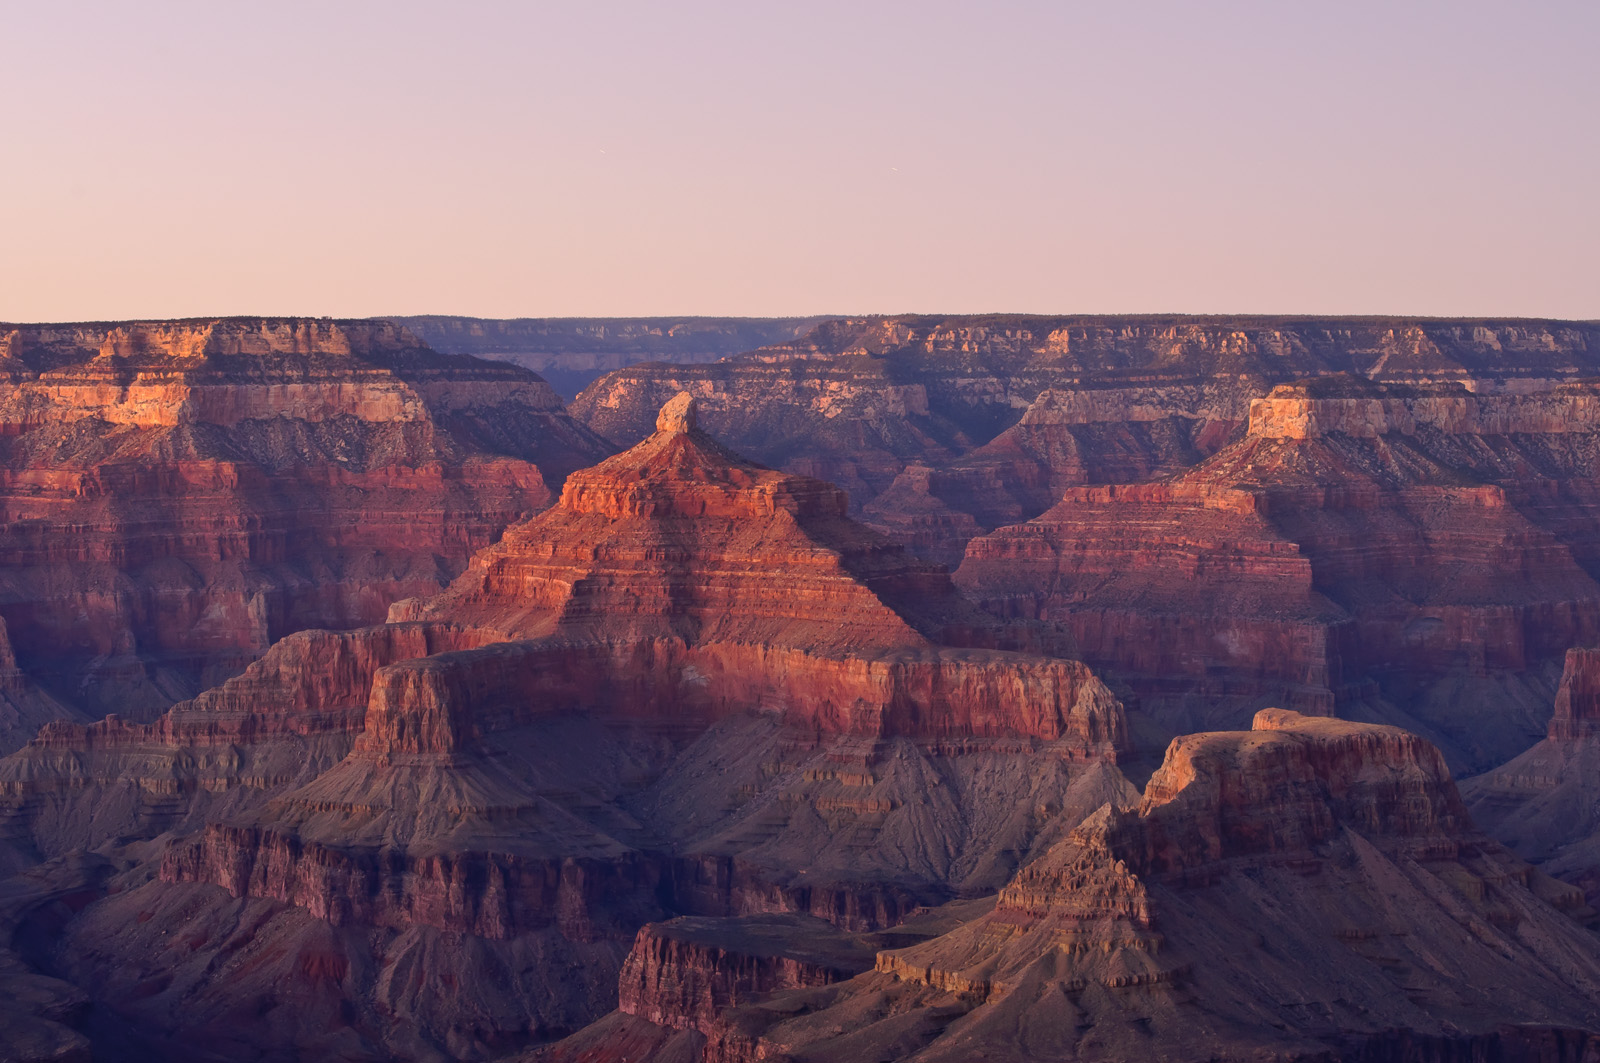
754 158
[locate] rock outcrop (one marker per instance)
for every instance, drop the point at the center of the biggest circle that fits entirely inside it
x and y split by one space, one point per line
1307 890
1545 803
176 496
685 972
1416 555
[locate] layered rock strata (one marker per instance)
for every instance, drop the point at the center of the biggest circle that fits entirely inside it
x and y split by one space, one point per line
693 686
862 401
1308 890
1545 803
684 972
1417 555
176 496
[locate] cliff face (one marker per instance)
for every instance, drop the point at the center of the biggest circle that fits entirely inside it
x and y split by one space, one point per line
176 496
1307 890
1577 714
1422 552
861 401
1545 803
692 686
683 973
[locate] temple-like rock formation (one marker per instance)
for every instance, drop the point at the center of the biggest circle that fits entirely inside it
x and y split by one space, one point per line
176 496
1307 890
694 686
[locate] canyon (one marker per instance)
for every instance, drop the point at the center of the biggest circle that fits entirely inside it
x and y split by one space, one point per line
904 688
859 401
1287 892
693 685
177 496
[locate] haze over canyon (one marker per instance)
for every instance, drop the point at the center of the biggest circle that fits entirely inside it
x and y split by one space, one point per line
857 689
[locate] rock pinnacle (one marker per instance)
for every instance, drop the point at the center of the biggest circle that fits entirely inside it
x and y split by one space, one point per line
677 415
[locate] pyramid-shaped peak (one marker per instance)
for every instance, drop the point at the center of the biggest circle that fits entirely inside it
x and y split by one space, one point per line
677 415
681 471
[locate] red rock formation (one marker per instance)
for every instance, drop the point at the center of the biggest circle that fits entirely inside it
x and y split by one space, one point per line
684 972
1064 439
289 716
176 496
692 685
862 401
1577 712
1358 542
1300 891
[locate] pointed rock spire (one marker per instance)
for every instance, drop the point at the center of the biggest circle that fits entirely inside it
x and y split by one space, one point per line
677 415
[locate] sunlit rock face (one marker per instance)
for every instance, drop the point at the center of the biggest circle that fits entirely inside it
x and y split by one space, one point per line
179 495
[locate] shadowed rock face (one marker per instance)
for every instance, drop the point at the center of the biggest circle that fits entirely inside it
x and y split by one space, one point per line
1307 890
1545 803
693 686
1416 555
176 496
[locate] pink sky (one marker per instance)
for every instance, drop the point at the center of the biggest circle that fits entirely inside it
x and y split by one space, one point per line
507 159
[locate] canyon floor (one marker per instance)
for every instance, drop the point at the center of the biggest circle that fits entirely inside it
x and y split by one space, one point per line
909 688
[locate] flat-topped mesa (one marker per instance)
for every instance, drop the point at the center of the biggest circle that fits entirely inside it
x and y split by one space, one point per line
441 706
1287 786
1361 536
680 471
163 343
1278 792
683 972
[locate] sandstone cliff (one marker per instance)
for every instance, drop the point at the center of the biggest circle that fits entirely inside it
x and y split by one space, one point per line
176 496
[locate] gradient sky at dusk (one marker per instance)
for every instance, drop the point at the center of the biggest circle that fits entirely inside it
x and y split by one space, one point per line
505 159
